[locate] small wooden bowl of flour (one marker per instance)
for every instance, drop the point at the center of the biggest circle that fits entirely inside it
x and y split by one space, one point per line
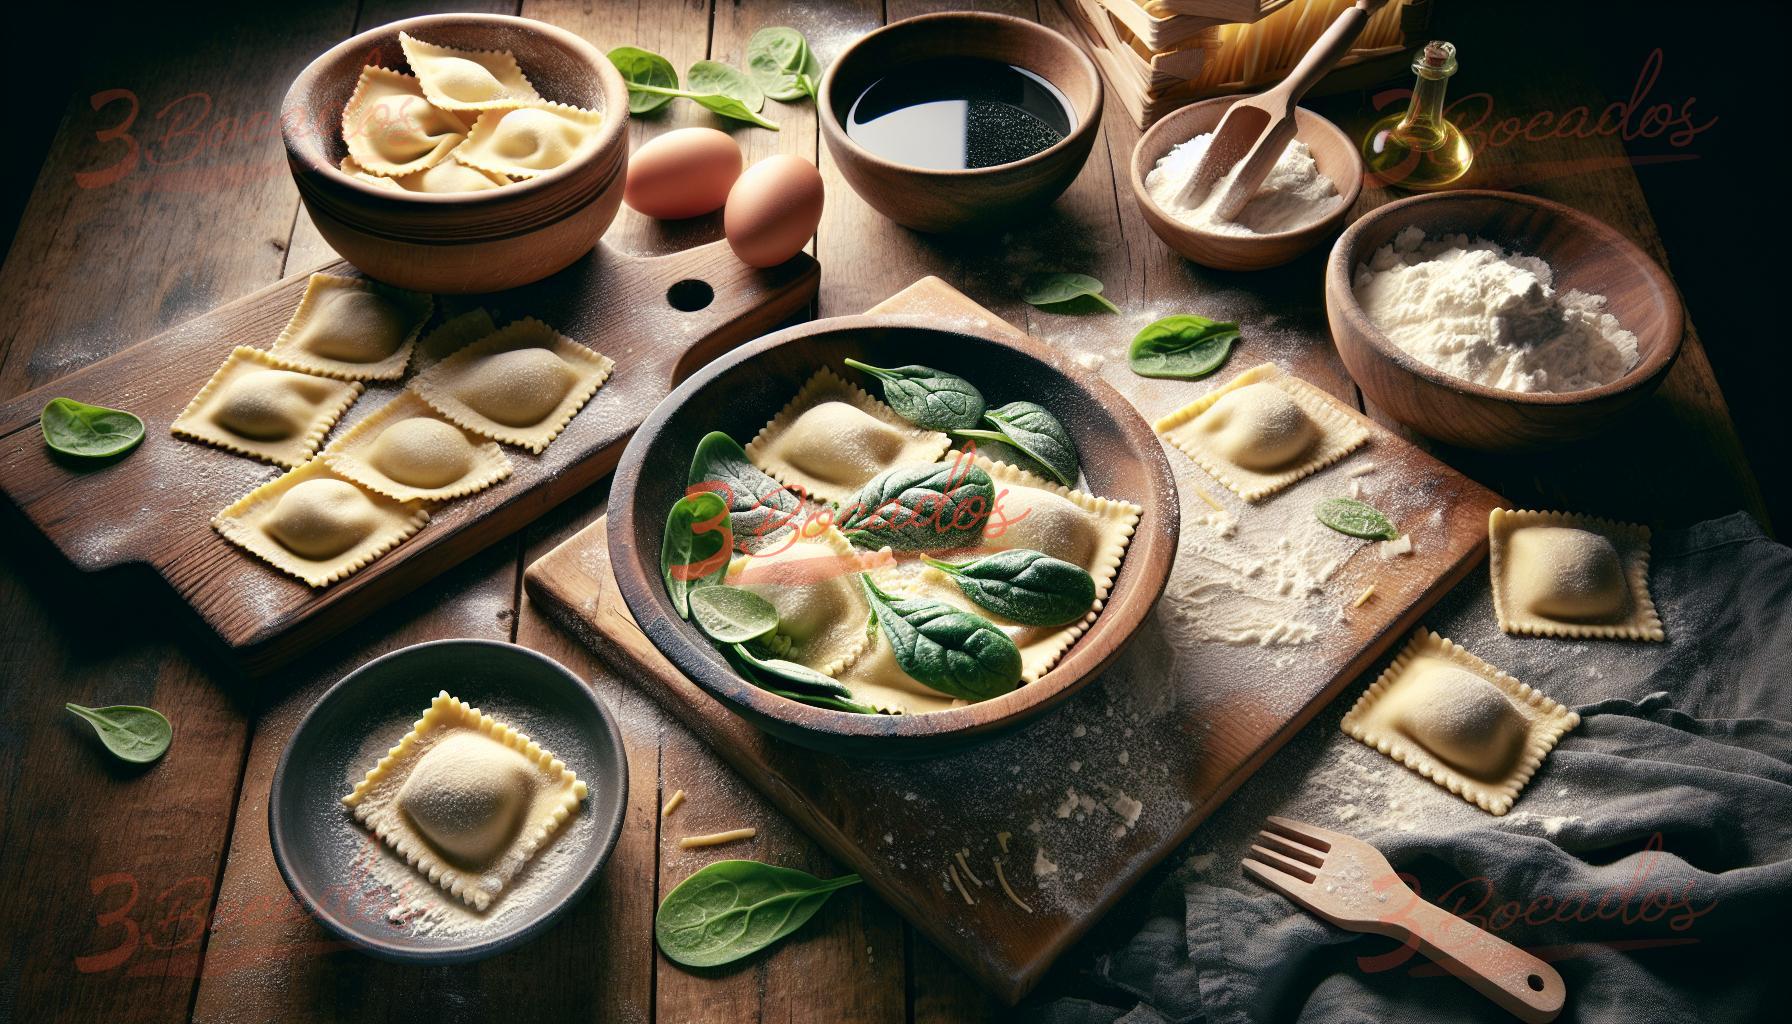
1593 334
1305 201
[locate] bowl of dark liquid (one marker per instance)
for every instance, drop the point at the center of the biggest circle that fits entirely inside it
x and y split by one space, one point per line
959 121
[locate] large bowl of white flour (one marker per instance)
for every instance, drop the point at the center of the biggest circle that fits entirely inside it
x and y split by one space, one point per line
1499 321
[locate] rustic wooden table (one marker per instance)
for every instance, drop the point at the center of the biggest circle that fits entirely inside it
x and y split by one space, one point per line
151 895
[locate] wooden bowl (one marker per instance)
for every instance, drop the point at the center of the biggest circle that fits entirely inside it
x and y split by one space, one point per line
1584 252
322 852
741 390
476 241
1333 151
944 201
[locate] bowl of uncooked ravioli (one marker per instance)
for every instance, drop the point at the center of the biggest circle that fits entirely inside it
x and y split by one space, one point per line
459 152
448 801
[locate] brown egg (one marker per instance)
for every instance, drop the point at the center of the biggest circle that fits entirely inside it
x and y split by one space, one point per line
773 210
683 173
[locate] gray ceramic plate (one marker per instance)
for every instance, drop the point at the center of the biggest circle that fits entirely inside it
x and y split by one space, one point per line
363 892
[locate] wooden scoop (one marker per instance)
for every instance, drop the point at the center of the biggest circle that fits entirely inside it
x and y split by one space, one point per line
1349 883
1254 132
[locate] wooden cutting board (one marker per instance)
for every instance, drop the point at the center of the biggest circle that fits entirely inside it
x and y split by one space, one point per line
1173 725
154 506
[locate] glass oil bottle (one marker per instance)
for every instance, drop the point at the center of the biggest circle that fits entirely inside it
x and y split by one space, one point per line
1419 149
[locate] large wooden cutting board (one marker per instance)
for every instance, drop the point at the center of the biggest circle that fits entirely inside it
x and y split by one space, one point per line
154 506
1174 726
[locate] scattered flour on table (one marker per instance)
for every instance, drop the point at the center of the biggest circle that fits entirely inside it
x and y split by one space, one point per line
1293 196
1491 317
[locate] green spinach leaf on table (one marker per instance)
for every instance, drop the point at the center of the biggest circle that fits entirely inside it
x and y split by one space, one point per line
781 63
1182 347
735 908
1064 293
1356 519
89 431
135 734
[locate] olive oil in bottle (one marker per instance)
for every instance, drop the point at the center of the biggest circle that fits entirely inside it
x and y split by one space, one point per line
1420 149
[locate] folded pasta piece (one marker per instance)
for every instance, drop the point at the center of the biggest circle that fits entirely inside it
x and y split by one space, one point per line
520 385
1263 430
833 438
353 328
262 407
447 176
450 336
466 800
406 450
522 142
392 130
1459 721
317 525
1561 574
467 79
812 581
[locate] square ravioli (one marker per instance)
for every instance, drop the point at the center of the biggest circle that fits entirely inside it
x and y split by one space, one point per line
467 79
1561 574
520 385
833 438
262 407
1263 430
392 130
812 581
1459 721
406 450
317 525
1039 515
522 142
353 328
466 800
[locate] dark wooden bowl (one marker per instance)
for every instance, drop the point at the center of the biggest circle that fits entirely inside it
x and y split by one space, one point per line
1333 151
321 850
1585 253
935 200
477 241
741 390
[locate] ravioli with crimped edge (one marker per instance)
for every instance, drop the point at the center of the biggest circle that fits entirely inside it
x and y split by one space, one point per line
457 80
353 328
833 438
317 525
391 129
263 407
407 450
1563 574
520 385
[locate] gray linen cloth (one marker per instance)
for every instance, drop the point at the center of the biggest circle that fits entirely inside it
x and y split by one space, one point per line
1649 860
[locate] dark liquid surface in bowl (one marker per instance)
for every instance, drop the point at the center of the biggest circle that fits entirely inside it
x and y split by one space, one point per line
955 113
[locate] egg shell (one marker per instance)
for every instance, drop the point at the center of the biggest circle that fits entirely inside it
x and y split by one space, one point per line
683 173
773 210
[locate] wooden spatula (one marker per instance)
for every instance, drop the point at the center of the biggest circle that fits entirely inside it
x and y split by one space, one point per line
1349 883
1257 128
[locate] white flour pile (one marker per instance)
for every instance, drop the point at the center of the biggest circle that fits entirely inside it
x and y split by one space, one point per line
1475 311
1293 196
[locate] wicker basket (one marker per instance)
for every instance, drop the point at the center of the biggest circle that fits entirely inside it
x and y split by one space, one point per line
1157 55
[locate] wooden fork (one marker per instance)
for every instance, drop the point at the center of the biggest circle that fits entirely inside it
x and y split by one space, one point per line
1349 883
1257 128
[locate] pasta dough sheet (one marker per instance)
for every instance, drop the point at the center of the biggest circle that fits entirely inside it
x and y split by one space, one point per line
833 438
520 385
1263 430
406 450
1459 721
263 407
466 800
316 524
1561 574
353 328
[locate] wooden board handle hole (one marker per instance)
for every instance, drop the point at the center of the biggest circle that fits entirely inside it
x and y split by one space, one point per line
690 295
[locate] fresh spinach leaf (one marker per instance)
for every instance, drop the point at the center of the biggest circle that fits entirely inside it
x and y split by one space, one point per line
1032 429
735 908
763 509
135 734
780 61
914 507
644 67
695 550
1063 289
768 672
731 615
957 653
718 79
1182 347
1029 587
928 398
1356 519
89 431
